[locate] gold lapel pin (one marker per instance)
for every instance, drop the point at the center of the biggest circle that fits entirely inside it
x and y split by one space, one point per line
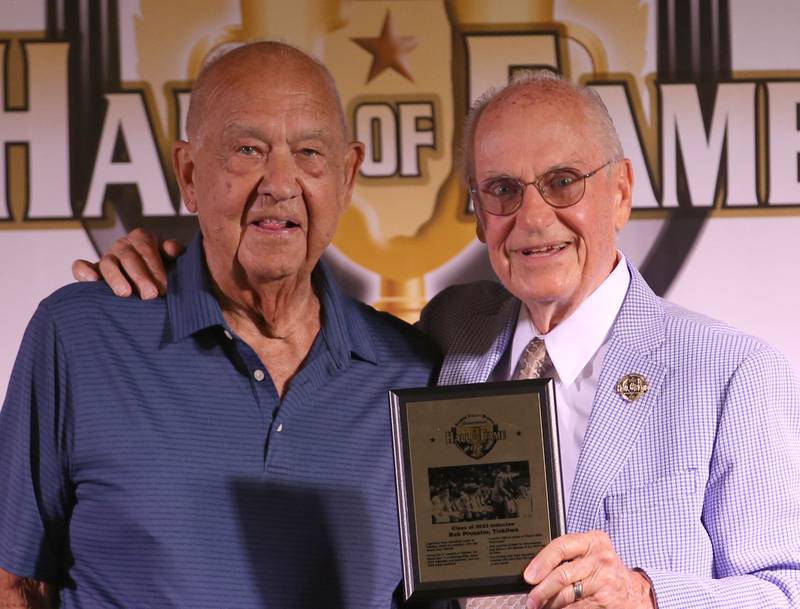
632 386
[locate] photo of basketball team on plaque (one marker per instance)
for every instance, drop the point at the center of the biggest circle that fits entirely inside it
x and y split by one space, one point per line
480 492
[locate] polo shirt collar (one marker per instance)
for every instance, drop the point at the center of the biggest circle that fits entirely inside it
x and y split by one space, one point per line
343 325
190 298
573 342
193 307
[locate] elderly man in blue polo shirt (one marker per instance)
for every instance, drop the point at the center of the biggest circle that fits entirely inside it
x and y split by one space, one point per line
227 445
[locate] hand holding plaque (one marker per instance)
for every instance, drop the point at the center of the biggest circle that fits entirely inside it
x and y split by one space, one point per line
478 483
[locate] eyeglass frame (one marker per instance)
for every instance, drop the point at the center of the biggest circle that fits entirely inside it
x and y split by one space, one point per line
476 192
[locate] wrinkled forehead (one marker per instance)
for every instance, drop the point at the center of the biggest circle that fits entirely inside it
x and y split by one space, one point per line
268 84
535 124
528 105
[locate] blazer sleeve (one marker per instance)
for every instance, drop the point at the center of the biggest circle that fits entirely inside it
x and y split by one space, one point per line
751 507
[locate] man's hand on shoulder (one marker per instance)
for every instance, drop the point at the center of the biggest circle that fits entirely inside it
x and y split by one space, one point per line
134 261
21 593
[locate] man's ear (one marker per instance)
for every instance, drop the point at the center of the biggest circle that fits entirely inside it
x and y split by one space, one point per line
353 158
183 165
624 184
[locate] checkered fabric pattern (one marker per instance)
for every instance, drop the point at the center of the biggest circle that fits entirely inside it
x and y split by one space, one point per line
684 479
509 601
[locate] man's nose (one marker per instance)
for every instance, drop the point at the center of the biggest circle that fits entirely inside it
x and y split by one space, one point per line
279 180
534 211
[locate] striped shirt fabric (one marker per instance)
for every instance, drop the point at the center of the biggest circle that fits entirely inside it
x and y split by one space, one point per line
148 462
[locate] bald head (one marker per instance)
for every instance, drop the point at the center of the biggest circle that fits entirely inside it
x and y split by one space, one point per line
266 61
534 87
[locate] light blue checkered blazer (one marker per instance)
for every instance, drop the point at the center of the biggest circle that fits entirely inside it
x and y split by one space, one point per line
698 481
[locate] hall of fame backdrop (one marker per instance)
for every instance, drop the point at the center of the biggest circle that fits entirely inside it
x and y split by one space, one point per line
705 96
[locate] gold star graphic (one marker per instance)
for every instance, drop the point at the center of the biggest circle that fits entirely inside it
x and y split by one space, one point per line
388 50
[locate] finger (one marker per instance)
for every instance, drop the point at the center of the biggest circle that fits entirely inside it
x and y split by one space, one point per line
567 598
558 589
561 549
83 270
113 275
140 259
144 266
138 271
172 248
141 236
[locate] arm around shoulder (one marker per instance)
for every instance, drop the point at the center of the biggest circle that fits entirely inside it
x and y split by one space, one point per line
448 311
135 261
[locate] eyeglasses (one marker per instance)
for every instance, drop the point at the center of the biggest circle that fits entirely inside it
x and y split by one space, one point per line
563 187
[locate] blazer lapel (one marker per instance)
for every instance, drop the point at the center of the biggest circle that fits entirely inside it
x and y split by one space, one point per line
615 424
481 342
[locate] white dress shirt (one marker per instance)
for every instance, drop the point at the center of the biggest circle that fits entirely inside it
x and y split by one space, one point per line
576 347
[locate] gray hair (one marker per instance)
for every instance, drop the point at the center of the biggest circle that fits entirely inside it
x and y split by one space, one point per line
545 82
223 50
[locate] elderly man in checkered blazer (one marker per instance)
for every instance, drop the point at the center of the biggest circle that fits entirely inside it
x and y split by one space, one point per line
680 436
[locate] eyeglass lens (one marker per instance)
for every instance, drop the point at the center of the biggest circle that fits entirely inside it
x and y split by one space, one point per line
559 187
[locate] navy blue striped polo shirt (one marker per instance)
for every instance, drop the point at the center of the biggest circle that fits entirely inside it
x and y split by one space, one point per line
146 460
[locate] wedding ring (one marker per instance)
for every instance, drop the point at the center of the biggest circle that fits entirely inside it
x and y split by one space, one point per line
577 590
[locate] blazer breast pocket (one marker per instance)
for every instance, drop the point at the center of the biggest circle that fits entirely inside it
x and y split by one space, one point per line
658 524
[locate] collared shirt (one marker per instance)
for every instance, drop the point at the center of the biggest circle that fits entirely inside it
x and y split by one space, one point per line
148 461
576 347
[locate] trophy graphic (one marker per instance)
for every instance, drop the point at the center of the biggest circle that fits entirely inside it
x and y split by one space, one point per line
441 224
407 73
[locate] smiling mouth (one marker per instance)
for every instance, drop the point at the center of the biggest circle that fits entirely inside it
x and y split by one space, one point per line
275 224
544 251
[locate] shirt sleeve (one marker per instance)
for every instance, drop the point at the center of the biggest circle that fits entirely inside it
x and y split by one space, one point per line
34 423
752 501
